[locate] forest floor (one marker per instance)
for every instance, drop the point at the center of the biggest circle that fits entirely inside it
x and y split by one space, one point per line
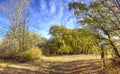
75 64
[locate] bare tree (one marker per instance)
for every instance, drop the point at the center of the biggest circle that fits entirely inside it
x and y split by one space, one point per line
17 12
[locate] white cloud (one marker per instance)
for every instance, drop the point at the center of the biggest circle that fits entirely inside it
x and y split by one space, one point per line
57 14
43 5
72 0
52 6
61 11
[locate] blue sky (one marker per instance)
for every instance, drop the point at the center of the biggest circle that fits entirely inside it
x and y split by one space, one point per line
44 14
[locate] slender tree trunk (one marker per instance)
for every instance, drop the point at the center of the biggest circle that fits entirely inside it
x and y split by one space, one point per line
103 55
102 52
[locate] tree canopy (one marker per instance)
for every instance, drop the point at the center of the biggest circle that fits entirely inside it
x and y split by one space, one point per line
102 18
71 41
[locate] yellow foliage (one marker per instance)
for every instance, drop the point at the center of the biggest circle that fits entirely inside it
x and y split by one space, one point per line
32 53
0 42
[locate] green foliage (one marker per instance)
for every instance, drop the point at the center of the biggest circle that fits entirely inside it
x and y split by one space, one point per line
27 52
0 42
102 18
67 41
18 43
28 55
64 49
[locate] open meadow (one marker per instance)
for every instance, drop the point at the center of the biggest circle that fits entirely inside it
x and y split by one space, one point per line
59 36
70 64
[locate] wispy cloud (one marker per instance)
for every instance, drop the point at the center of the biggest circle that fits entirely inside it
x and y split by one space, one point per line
45 13
52 5
61 11
43 5
51 13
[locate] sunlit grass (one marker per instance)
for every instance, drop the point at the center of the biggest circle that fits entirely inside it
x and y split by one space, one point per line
68 58
17 65
56 64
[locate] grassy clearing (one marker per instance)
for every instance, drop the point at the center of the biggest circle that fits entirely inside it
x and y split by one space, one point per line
74 64
69 58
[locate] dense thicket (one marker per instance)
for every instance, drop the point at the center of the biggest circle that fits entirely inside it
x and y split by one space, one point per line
70 41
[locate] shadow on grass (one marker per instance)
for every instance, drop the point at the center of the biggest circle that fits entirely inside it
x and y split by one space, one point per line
74 67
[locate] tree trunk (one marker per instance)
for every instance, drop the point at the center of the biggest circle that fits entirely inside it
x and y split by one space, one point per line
102 52
103 55
115 50
112 44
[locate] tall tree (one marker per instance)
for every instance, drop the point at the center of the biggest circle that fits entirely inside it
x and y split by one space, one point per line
17 12
99 16
71 41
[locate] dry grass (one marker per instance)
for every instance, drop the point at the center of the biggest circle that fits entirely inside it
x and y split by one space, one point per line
75 64
68 58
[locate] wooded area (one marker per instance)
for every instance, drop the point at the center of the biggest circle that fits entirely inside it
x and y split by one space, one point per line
99 33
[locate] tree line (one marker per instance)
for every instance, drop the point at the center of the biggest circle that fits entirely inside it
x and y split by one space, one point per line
70 41
100 21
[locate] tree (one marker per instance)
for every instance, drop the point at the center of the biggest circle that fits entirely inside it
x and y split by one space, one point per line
17 13
70 41
99 16
18 44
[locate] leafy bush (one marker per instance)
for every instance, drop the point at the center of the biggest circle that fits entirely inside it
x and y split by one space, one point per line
29 55
65 49
20 49
24 56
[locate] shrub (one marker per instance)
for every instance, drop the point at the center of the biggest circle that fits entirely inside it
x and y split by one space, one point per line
64 49
24 56
29 55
